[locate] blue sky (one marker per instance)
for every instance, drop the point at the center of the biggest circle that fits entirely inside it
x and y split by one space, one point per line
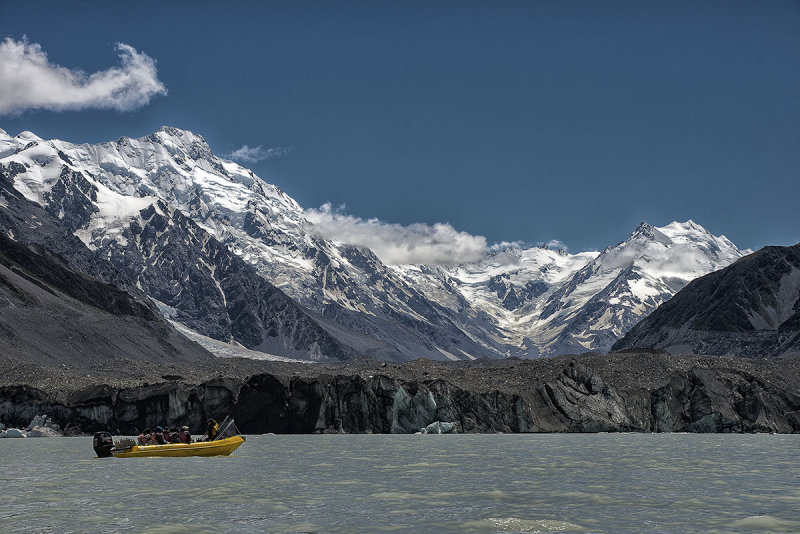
517 121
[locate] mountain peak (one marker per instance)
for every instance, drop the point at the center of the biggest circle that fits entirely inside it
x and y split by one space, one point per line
192 145
649 231
688 225
185 136
28 136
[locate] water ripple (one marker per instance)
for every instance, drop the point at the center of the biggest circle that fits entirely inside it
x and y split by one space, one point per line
487 483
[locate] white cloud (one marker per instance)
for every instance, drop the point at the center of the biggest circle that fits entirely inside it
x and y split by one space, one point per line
395 244
259 153
557 245
29 81
505 245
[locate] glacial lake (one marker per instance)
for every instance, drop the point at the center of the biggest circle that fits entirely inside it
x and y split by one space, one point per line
412 483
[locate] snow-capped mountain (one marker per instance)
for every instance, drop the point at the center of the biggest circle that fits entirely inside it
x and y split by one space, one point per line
175 217
107 192
625 283
544 302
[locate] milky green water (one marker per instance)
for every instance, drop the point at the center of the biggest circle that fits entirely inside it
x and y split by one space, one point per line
384 483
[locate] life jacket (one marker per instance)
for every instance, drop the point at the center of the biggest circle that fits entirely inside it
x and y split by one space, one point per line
185 437
142 439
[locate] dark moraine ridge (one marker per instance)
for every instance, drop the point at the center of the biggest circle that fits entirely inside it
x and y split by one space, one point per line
636 392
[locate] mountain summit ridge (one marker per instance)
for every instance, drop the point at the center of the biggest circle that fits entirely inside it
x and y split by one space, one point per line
526 302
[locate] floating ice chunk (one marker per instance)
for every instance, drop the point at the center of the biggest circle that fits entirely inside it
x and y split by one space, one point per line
13 433
44 432
439 427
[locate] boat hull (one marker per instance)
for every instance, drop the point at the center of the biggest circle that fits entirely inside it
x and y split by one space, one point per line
222 447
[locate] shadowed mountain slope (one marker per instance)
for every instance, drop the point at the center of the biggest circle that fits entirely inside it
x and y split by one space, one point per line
751 308
53 312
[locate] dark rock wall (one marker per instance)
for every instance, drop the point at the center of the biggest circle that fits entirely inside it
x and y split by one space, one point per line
576 400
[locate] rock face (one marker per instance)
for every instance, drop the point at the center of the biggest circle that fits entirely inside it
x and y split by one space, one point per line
215 292
751 308
621 392
60 304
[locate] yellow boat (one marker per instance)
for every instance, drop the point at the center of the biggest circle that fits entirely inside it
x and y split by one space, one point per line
220 447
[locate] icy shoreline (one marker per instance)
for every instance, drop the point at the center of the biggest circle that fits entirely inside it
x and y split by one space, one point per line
42 426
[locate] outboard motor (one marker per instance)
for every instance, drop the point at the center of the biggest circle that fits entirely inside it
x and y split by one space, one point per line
102 444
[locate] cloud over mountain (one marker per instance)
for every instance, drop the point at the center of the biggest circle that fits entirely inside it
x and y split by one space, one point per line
249 154
418 243
28 80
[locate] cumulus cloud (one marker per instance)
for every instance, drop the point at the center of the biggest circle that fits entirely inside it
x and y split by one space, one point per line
259 153
29 81
395 244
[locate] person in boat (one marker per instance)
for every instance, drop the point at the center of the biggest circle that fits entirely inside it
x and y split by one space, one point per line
213 430
184 435
158 436
174 435
144 437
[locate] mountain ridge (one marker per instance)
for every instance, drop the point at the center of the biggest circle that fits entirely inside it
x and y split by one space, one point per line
514 302
750 308
60 304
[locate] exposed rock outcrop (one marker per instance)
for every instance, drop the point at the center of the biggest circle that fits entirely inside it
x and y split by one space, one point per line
60 304
620 392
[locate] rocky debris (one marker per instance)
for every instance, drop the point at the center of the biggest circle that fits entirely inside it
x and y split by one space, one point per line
636 392
337 428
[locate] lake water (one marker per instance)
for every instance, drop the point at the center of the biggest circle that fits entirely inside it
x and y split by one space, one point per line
386 483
